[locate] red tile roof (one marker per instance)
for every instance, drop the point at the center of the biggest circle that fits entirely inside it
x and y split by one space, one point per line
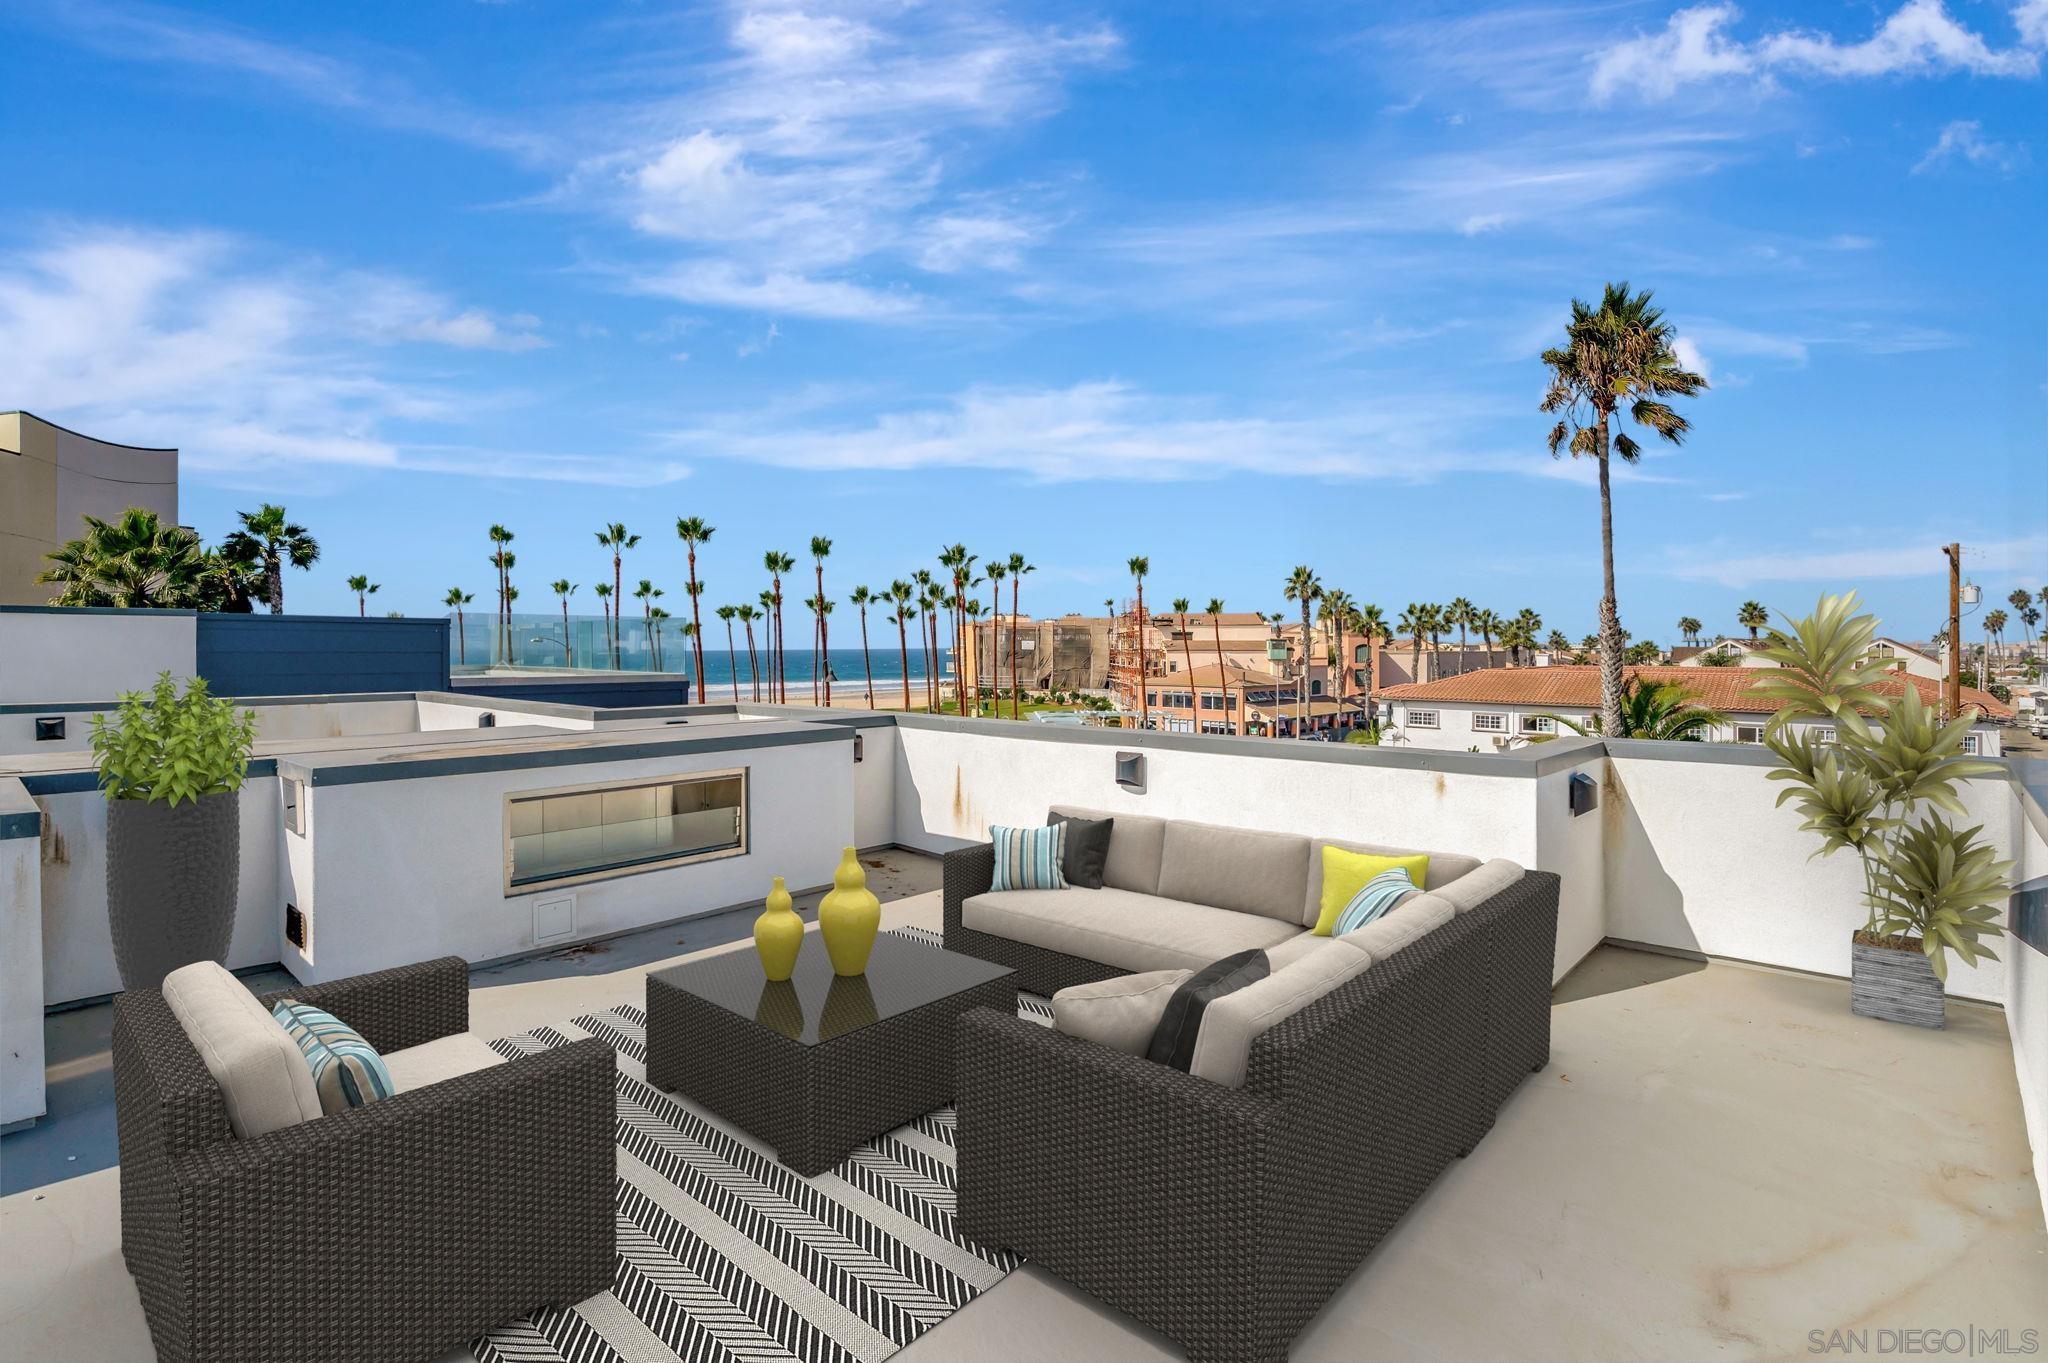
1727 689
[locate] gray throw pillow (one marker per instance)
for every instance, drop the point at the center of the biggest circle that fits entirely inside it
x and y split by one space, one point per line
1174 1041
1087 849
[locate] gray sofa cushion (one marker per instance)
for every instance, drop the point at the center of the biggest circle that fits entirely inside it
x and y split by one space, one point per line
1294 948
1444 867
1231 1022
1120 928
1134 846
1383 937
1235 868
1122 1013
1474 888
264 1079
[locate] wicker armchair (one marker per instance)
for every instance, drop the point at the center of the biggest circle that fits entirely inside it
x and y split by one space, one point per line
392 1231
1224 1218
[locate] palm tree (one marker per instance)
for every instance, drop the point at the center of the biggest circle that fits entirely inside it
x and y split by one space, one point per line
267 535
1488 624
1752 617
1140 566
1557 643
1994 631
1305 589
1414 622
136 561
1439 625
564 588
615 538
1517 635
1018 567
820 547
932 599
501 559
655 616
998 569
1460 614
960 565
732 655
1371 624
1215 610
1663 710
822 608
860 596
1690 628
1180 608
2020 601
1616 355
971 610
457 599
921 581
604 601
647 594
1336 611
777 563
364 590
900 593
692 531
747 615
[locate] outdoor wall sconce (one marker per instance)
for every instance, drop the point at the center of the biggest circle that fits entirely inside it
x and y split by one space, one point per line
487 720
1584 793
1130 771
860 748
49 728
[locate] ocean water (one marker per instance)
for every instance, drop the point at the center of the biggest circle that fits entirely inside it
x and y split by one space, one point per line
538 641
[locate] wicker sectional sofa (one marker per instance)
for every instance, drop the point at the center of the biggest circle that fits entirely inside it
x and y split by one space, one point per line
1225 1215
392 1231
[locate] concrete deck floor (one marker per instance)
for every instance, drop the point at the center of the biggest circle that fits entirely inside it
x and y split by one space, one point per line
1718 1160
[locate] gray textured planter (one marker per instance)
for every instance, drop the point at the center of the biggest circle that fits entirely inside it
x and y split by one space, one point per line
172 880
1895 983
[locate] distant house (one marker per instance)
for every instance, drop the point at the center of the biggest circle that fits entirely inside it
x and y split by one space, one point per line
1503 706
1903 657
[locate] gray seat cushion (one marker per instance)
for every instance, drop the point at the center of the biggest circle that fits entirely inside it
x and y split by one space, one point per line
1401 925
1122 1013
1474 888
1235 868
1119 928
445 1057
1444 867
264 1079
1134 848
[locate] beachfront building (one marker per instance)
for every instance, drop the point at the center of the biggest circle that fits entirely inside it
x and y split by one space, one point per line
51 478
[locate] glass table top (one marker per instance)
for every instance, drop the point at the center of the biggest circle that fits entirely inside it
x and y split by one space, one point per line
814 1005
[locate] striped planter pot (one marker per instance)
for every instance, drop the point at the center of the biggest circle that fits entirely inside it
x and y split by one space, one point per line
1894 984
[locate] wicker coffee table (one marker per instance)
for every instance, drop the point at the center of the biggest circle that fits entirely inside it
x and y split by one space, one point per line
817 1065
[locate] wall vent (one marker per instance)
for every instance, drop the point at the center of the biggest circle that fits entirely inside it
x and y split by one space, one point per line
295 926
554 917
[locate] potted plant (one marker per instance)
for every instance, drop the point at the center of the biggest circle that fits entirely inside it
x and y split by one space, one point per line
172 767
1885 788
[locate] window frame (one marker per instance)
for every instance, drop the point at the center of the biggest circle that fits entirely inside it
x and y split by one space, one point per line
1756 727
513 888
1414 719
1500 726
1537 724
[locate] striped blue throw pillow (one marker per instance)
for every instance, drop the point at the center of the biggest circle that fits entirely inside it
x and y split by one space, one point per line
1375 899
347 1070
1029 858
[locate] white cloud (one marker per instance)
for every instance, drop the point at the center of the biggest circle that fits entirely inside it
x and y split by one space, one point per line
1850 241
760 344
1689 356
727 284
1918 38
1482 222
252 367
1895 558
1964 138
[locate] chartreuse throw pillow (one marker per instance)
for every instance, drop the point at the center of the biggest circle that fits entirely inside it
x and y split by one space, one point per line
1346 873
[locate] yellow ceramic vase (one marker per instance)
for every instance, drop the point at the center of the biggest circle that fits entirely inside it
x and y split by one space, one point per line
849 917
778 934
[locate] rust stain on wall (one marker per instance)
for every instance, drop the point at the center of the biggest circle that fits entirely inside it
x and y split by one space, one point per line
55 853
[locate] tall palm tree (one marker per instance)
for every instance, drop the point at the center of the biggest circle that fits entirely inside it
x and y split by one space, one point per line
134 561
2021 601
860 596
959 566
1304 588
615 538
998 569
1439 625
655 618
971 611
647 594
1414 622
1371 624
1752 617
1461 613
1530 626
1690 628
1180 609
820 548
364 590
693 531
1336 611
767 609
457 599
921 582
1664 710
777 563
1139 566
932 601
1994 632
747 615
1618 355
899 594
564 588
822 608
1558 643
604 601
1215 610
1018 567
501 559
268 535
1488 624
732 654
1517 636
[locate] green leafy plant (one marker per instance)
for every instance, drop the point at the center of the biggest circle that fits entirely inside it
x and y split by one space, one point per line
1663 710
1885 788
163 746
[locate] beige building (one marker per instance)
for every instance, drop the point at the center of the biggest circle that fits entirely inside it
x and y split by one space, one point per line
50 478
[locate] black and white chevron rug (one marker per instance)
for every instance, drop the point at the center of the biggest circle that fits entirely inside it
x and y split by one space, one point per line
726 1256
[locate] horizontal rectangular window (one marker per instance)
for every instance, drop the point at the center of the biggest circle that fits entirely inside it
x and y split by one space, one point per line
580 833
1422 719
1538 724
1749 733
1490 724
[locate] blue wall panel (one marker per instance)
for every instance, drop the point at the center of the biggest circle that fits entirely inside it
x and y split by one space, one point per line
605 693
298 655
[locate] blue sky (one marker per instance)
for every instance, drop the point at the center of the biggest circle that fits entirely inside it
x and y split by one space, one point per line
1233 286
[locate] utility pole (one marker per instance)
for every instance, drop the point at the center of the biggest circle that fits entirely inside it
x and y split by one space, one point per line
1952 684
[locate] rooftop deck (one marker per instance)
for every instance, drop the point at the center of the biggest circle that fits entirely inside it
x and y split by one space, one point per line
1718 1160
